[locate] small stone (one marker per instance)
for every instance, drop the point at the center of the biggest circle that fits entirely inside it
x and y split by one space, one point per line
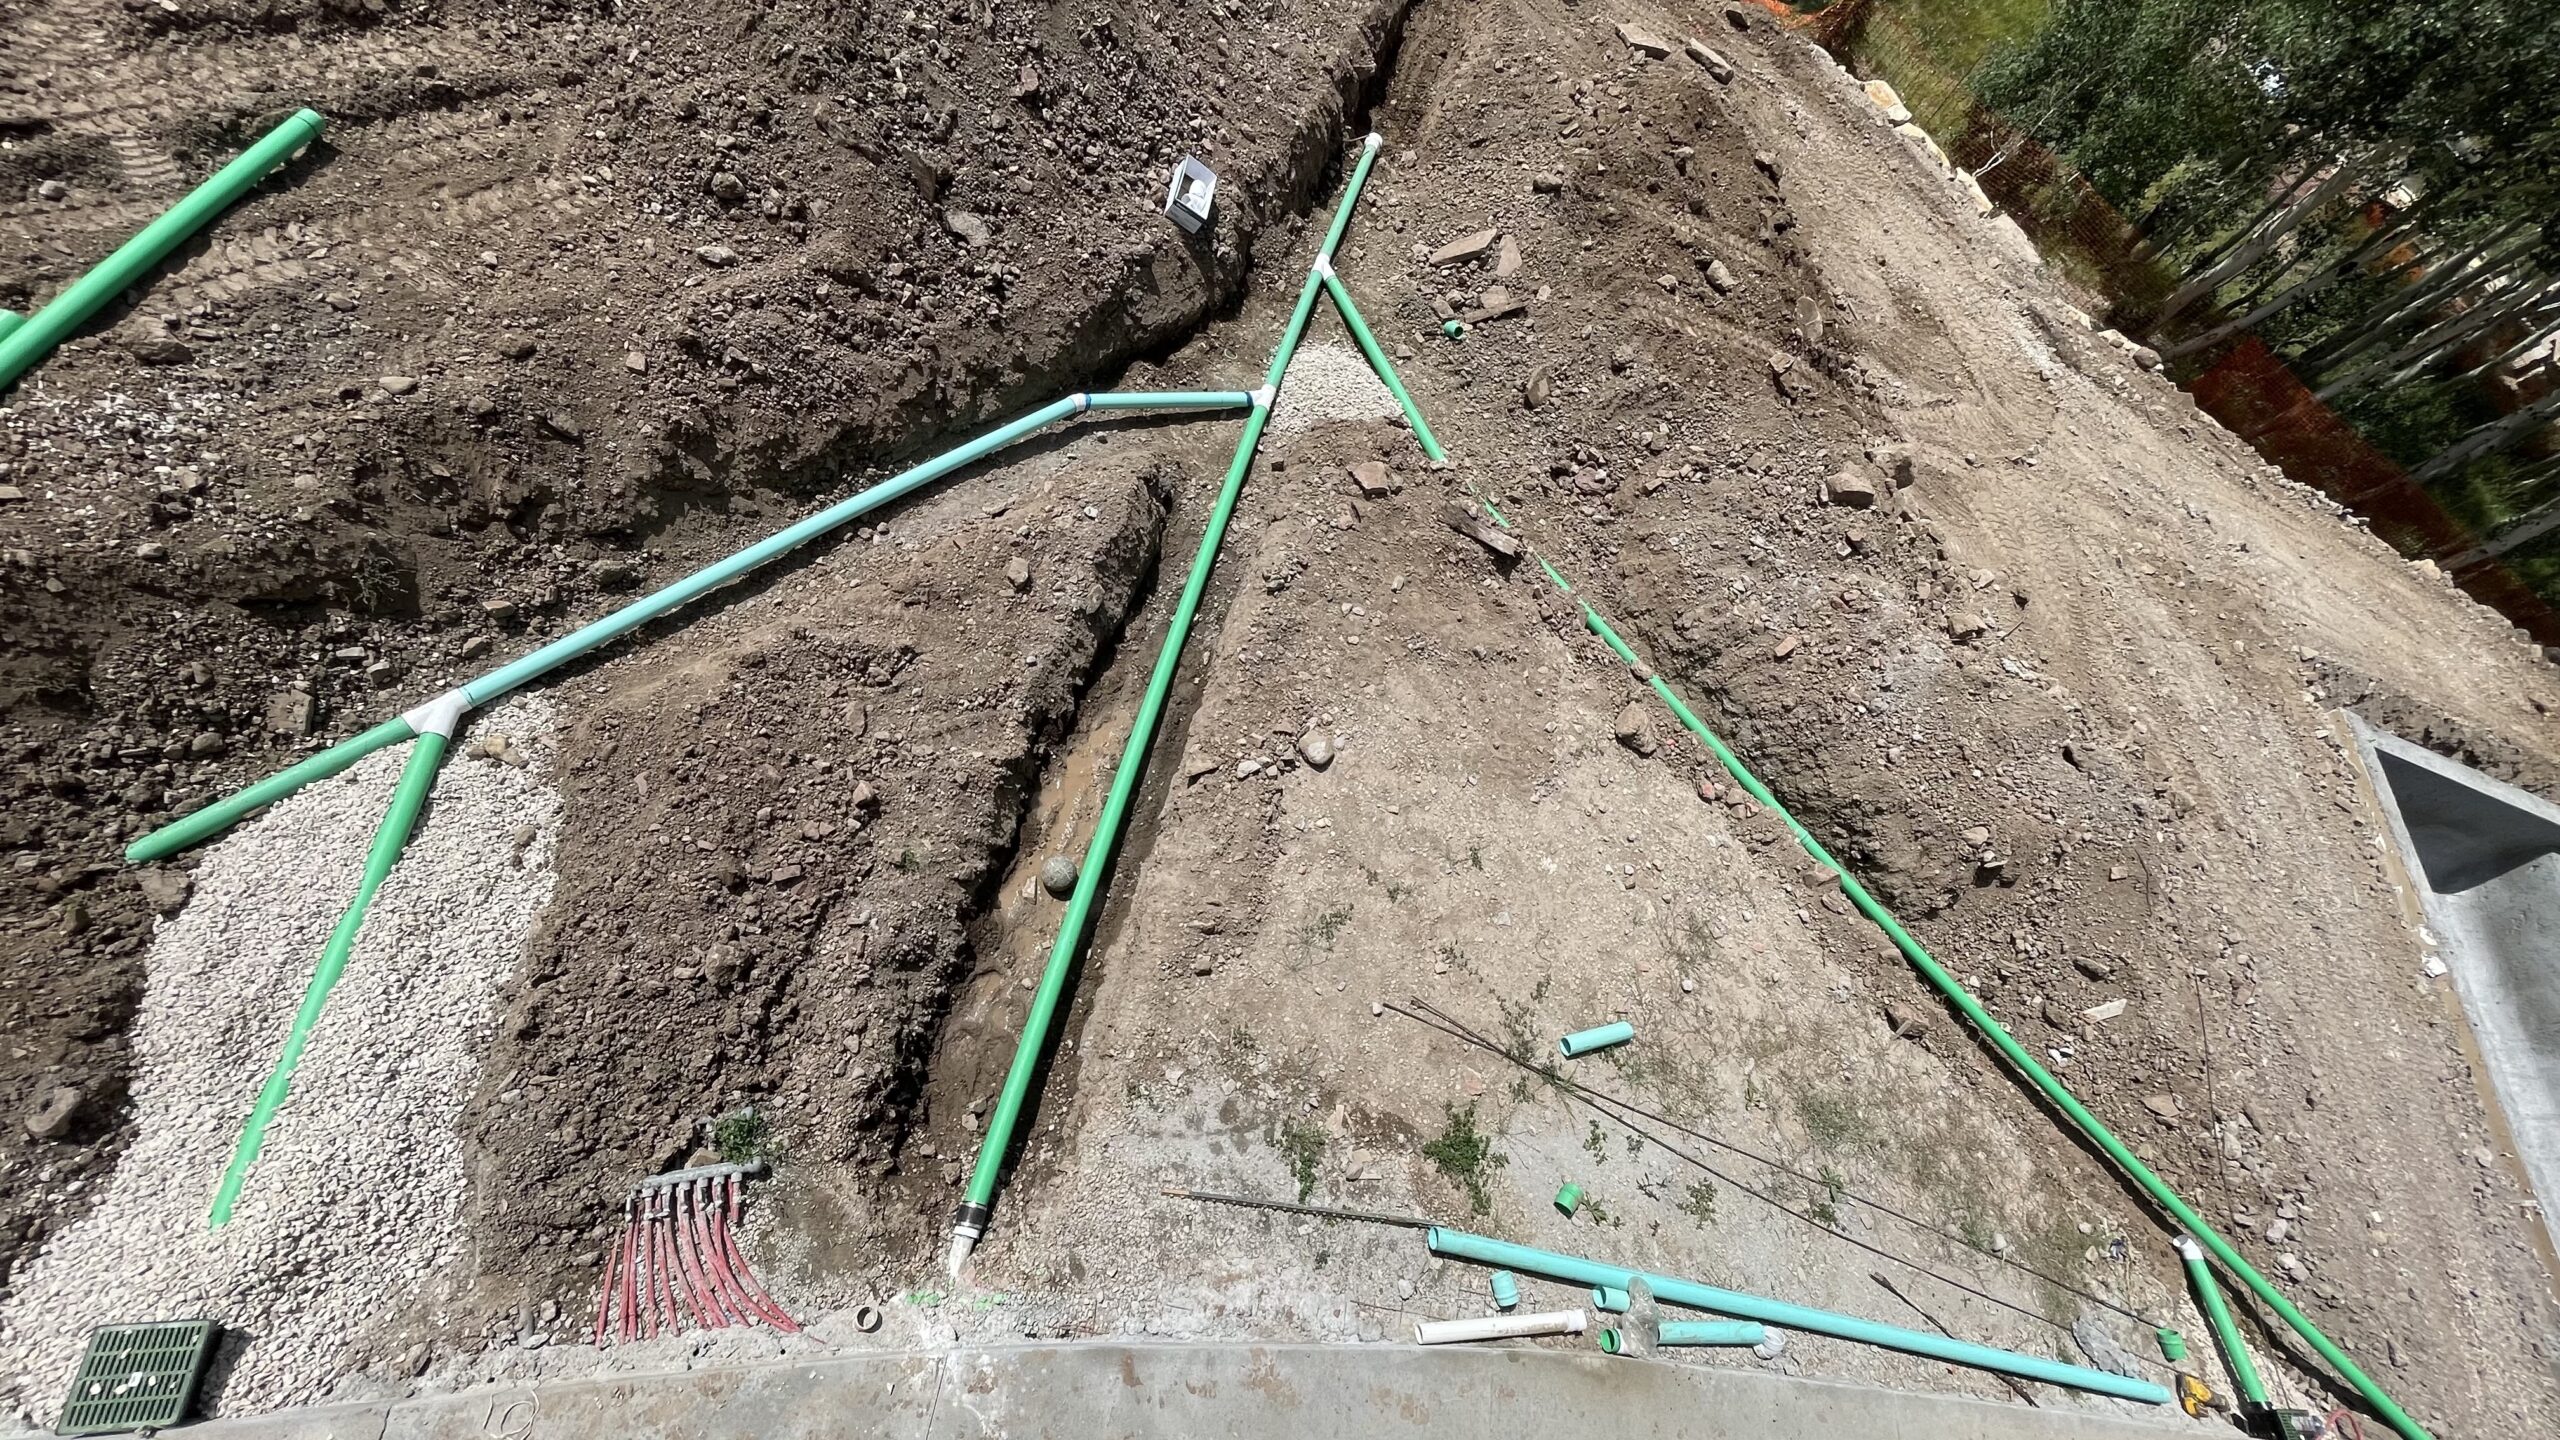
727 188
159 350
1017 573
1721 277
1316 748
398 384
1465 248
517 347
2103 1011
1058 876
53 190
1635 729
1894 460
1978 836
1905 1024
1546 182
563 426
1854 487
1506 261
55 1112
2164 1106
1787 647
1715 63
635 362
151 550
1374 479
206 745
1539 388
970 227
1644 42
165 890
476 646
11 493
716 256
1767 162
1026 82
1966 625
2277 1230
2093 967
292 712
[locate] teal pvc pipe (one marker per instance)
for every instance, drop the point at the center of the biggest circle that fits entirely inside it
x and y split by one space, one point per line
1598 1037
1506 1290
711 577
1172 400
1610 1298
1573 1270
1713 1332
222 814
1386 370
10 320
2217 1314
26 344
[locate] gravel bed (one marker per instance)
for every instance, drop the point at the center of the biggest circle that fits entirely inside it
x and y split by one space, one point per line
353 1205
1330 382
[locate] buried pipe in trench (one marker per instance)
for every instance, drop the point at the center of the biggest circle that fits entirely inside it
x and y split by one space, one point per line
212 819
1574 1270
22 345
969 1221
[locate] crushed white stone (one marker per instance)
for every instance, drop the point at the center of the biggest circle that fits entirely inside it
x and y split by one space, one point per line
1330 382
354 1204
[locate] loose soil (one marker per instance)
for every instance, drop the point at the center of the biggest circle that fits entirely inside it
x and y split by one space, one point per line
2065 698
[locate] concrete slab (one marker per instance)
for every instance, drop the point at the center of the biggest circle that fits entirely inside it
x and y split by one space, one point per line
2485 858
1091 1390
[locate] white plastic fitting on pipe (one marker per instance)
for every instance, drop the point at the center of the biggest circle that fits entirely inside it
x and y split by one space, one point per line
440 715
1500 1327
1263 397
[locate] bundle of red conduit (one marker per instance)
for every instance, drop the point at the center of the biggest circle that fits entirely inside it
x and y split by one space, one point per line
677 1261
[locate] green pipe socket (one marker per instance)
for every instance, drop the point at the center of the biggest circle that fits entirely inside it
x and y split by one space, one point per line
1569 1199
417 779
1598 1037
223 814
1713 1332
2018 1056
977 1204
1612 1343
1368 342
2173 1346
30 342
1610 1298
2217 1314
1506 1290
1573 1270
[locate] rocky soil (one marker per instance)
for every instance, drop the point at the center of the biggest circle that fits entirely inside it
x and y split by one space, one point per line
571 304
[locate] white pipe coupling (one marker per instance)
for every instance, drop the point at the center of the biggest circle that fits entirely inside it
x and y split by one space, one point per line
1263 397
440 715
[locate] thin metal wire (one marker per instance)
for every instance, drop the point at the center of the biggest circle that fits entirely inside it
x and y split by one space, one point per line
1610 1106
1326 1212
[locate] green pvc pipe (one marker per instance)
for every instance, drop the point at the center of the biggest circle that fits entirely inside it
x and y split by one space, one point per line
222 814
1713 1332
1611 1299
2235 1354
1598 1037
26 344
1387 376
1992 1030
977 1204
417 778
10 320
2018 1056
219 816
1688 1294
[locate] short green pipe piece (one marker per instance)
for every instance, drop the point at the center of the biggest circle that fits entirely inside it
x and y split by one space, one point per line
1387 376
417 778
1573 1270
221 815
2217 1314
1568 1199
977 1204
1506 1290
1611 1299
26 344
1611 1343
1598 1037
1713 1332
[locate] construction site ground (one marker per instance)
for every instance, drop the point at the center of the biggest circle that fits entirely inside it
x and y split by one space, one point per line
569 304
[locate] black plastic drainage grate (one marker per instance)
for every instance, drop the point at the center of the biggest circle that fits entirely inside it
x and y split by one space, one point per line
136 1376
